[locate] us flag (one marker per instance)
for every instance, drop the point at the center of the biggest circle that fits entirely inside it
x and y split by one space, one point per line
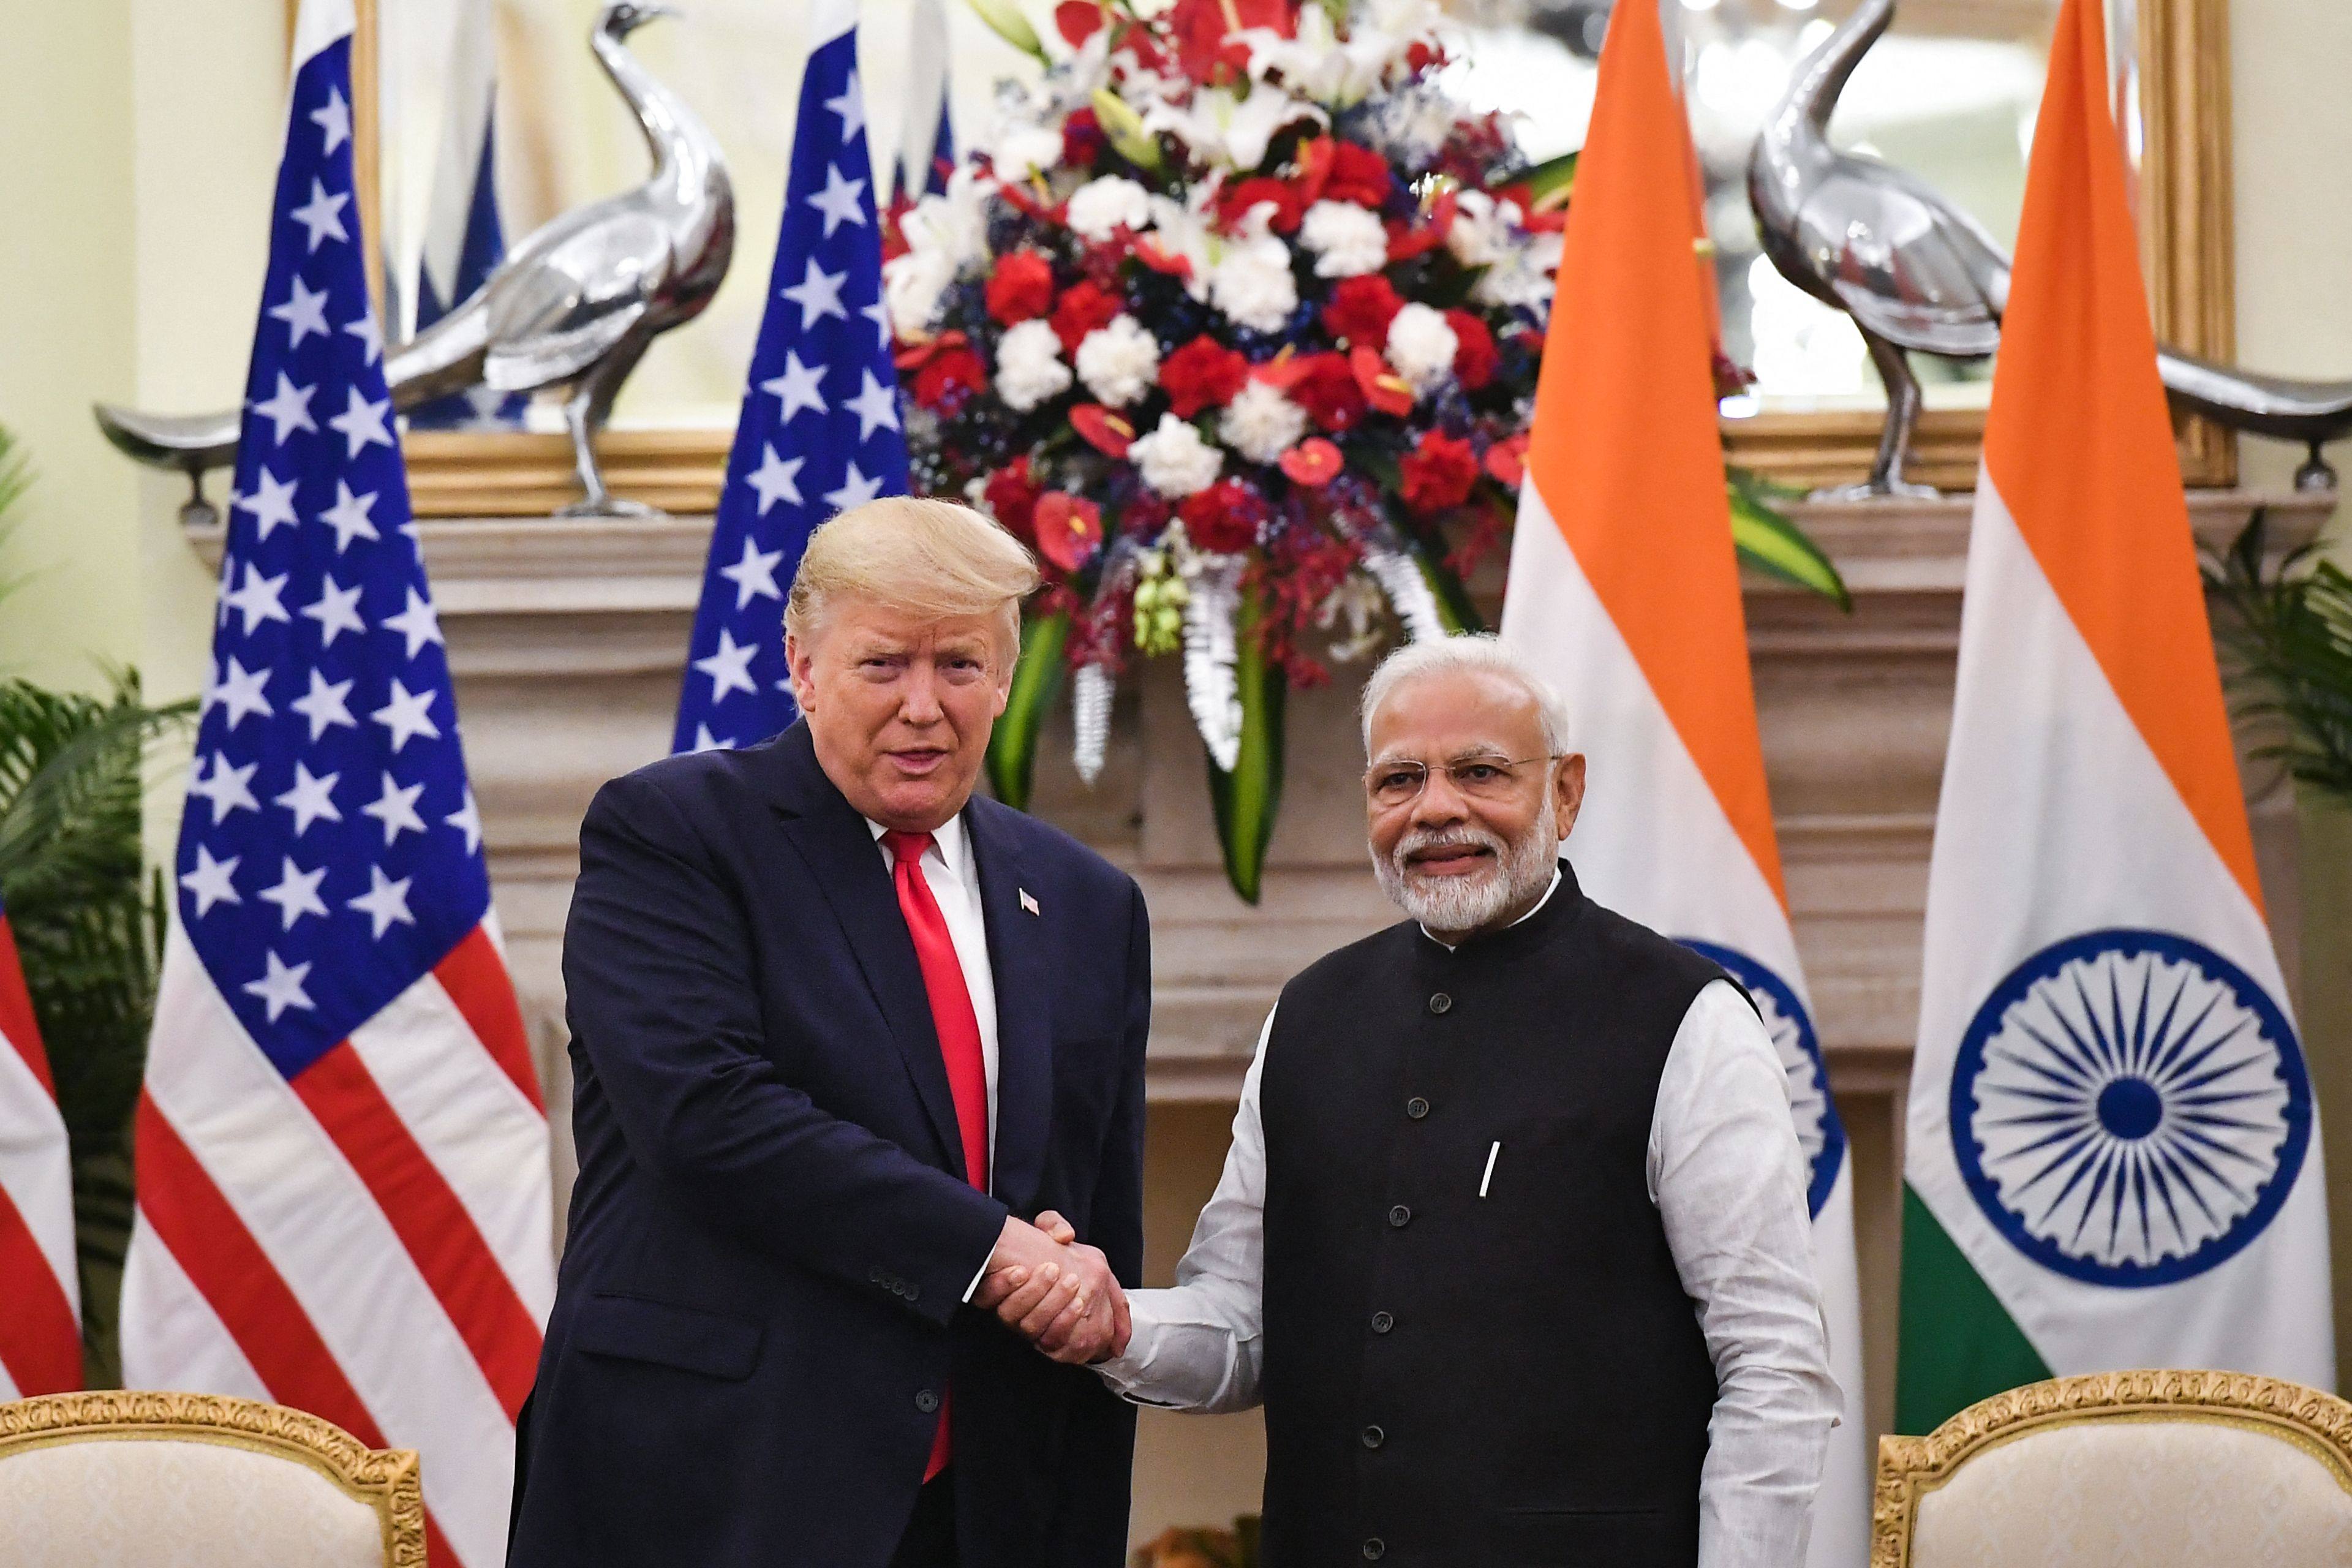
342 1176
819 430
41 1303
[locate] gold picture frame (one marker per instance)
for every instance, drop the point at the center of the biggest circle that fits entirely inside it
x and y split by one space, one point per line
2185 246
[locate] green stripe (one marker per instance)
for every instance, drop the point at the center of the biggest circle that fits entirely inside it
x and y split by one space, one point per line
1958 1343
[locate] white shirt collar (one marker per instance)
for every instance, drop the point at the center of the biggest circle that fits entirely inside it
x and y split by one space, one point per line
950 843
1521 920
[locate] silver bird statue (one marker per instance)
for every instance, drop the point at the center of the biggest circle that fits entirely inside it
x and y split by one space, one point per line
575 305
1917 274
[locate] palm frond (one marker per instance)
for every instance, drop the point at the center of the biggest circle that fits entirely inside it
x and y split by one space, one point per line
2287 638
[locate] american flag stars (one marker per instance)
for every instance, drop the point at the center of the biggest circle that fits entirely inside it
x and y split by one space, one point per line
820 427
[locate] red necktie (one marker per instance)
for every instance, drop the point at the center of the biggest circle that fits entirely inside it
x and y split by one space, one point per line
957 1025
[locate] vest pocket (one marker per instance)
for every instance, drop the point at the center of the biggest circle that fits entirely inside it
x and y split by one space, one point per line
686 1338
1574 1538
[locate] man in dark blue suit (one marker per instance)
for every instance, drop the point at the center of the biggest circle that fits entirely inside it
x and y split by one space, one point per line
840 1032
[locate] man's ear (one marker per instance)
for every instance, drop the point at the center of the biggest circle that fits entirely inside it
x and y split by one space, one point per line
1567 791
797 661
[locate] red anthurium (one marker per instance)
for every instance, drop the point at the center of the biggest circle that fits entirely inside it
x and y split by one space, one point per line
1283 372
1313 164
1507 461
1314 463
1406 241
1077 20
1069 531
1148 251
1383 388
1105 431
1326 389
915 355
1235 202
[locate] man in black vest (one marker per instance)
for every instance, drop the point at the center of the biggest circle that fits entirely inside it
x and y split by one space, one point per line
1512 1240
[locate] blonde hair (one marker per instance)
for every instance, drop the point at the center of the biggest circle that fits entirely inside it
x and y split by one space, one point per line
920 556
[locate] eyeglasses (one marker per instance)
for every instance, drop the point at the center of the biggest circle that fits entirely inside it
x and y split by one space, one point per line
1392 785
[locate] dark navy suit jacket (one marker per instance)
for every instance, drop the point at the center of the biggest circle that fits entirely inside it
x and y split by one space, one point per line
772 1235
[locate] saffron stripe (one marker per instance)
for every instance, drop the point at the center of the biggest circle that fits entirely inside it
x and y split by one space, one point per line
40 1341
17 1020
476 978
433 1226
235 1278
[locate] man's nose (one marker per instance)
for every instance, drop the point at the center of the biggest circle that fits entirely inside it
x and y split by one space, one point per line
1440 802
918 697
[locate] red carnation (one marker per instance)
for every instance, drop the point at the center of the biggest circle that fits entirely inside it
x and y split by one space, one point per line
1085 305
1203 373
1358 175
1438 474
1234 203
1083 140
1473 354
1012 496
1077 20
1202 44
1360 309
948 377
1326 389
1021 288
1223 518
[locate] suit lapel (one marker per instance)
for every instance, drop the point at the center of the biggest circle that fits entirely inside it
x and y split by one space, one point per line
847 870
1024 1016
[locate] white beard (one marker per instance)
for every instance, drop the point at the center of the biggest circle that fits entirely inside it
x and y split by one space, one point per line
1452 906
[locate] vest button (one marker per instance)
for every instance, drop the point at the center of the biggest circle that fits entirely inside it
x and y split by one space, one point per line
1416 1108
1383 1322
1375 1549
928 1401
1374 1436
1441 1002
1399 1216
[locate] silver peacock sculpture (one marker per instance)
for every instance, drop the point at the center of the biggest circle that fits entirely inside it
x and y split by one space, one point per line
1920 275
575 305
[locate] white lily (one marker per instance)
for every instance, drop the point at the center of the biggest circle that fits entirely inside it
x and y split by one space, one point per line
1221 129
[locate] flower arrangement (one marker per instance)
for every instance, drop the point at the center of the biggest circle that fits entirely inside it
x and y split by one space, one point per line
1238 321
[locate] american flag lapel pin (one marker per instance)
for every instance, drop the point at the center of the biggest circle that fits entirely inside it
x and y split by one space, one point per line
1028 901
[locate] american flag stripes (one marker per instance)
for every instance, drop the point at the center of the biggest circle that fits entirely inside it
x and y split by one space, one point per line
343 1187
41 1303
819 432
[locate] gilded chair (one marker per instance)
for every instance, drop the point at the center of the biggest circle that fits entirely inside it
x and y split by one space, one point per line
2124 1469
192 1480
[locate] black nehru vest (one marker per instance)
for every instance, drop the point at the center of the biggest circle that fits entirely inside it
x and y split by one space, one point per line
1454 1380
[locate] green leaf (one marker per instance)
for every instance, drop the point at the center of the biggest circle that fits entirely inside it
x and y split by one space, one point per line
1004 19
1013 747
1769 541
1246 799
1124 127
2288 641
1551 181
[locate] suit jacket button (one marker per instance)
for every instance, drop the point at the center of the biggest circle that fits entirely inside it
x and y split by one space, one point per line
1416 1108
1383 1322
913 1292
1399 1216
1441 1002
928 1401
1375 1549
1374 1436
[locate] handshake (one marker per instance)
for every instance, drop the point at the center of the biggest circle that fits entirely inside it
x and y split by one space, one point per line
1055 1291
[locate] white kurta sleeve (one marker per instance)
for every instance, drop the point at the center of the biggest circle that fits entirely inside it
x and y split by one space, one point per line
1729 1182
1199 1345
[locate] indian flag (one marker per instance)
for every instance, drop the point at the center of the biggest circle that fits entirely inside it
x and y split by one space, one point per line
1624 589
2113 1158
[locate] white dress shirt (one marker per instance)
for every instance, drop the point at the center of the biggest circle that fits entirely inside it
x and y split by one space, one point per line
1728 1178
952 872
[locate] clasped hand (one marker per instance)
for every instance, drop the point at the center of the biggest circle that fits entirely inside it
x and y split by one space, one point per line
1055 1291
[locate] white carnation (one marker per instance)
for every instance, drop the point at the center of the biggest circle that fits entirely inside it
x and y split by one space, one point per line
1118 362
1347 237
1261 424
1422 344
1100 208
1029 367
1175 460
1253 286
1025 149
913 284
1478 236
